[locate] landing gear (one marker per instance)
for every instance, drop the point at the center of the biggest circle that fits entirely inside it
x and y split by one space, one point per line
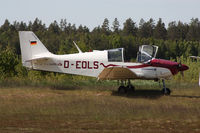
125 89
165 91
130 87
122 89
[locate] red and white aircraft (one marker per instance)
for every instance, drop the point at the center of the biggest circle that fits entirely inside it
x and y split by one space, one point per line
104 65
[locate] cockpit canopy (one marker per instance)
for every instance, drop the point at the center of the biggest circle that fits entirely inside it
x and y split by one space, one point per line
116 55
146 53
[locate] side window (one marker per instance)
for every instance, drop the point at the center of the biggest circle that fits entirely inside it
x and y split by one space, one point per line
115 55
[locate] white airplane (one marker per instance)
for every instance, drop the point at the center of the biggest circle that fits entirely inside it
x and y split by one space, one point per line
104 65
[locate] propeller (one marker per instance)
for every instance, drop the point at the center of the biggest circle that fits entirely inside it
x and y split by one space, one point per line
180 64
182 74
179 67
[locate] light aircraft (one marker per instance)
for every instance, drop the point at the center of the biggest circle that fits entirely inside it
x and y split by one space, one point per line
104 65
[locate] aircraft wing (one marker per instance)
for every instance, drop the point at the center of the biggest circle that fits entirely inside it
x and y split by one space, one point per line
116 73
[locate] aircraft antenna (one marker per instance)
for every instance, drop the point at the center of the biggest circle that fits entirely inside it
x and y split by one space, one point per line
77 48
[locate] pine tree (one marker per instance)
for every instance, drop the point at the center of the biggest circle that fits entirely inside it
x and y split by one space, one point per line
54 28
37 25
105 26
182 30
146 28
116 25
129 27
172 31
5 26
63 24
194 30
160 31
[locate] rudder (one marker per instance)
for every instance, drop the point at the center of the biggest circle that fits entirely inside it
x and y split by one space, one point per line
30 46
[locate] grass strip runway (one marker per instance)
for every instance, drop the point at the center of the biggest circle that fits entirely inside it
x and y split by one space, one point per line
98 110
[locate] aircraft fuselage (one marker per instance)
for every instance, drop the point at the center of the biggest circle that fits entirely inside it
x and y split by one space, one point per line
93 63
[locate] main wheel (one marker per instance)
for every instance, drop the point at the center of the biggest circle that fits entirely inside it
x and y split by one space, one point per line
166 92
130 88
122 89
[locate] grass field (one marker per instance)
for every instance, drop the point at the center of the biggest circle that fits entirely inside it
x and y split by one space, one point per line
98 109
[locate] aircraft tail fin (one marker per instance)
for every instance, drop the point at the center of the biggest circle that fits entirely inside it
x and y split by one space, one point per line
31 47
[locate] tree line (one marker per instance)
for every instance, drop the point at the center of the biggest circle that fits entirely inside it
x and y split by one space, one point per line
176 40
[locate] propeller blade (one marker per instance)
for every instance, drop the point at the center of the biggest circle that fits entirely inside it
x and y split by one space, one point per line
182 74
180 64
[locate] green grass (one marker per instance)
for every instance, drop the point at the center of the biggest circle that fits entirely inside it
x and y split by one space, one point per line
99 109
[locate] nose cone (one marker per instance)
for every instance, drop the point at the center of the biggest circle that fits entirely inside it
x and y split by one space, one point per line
183 67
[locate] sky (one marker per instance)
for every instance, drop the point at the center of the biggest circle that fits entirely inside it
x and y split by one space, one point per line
91 13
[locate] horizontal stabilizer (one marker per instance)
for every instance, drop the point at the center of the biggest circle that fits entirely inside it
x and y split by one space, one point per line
37 59
43 56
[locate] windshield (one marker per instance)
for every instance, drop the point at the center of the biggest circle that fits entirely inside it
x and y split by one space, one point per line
146 53
143 57
116 55
149 50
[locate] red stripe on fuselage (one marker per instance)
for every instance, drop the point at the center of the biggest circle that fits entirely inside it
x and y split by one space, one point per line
110 65
172 66
139 66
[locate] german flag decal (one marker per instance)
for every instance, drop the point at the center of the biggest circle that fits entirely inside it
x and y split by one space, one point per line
33 42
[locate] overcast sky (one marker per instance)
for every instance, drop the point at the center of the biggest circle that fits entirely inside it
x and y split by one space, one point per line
91 13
